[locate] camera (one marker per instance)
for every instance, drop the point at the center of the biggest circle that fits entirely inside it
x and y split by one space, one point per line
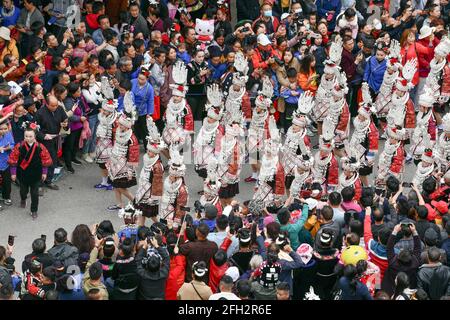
199 208
245 29
278 61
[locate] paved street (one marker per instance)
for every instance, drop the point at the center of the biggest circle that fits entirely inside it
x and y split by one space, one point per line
78 202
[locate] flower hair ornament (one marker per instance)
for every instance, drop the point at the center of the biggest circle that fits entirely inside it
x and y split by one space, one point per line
30 125
145 72
106 89
129 214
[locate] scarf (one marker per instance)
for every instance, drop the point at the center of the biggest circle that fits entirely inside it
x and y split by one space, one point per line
29 156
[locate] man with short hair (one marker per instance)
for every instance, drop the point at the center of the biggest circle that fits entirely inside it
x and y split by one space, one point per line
27 17
226 287
199 250
63 250
334 200
111 37
327 222
434 278
39 254
51 117
219 236
104 24
283 217
283 291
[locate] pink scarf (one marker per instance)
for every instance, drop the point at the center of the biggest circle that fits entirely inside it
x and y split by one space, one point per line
85 133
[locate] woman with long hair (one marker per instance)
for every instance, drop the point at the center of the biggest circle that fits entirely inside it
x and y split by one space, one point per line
307 76
83 239
408 52
352 288
402 290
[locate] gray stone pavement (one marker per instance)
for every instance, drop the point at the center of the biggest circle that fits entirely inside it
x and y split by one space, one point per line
77 202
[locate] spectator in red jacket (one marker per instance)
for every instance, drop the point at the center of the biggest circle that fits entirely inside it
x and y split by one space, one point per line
264 53
425 53
177 270
218 264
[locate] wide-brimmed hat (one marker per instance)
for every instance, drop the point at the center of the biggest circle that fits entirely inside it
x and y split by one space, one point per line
5 33
426 31
263 40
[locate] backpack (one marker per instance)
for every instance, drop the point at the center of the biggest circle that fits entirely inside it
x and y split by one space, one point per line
435 286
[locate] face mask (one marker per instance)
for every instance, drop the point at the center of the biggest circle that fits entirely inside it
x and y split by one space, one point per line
268 13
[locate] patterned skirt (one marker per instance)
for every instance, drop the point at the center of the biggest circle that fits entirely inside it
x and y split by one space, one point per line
123 183
149 211
229 191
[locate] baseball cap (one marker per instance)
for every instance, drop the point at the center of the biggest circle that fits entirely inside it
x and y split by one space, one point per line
263 40
233 272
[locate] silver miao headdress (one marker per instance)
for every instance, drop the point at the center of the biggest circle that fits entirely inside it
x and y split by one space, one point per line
427 98
179 75
443 48
366 106
341 88
129 213
326 140
154 138
404 83
129 106
335 55
305 104
394 55
240 77
177 168
273 144
106 89
350 162
264 98
215 102
446 123
212 184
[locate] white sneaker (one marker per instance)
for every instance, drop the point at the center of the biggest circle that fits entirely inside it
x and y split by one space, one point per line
87 158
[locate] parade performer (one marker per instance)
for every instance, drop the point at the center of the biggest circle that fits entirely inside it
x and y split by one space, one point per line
130 215
303 176
326 168
105 132
338 116
327 83
230 160
392 159
442 147
150 184
29 162
236 92
350 175
207 143
364 140
175 192
297 141
178 116
123 161
271 182
425 132
401 105
425 168
258 131
211 187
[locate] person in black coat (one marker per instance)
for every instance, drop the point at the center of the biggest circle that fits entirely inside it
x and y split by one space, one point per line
153 269
247 9
39 254
405 261
124 273
29 162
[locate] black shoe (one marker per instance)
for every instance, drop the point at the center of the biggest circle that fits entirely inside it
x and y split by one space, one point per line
71 170
76 162
34 215
52 186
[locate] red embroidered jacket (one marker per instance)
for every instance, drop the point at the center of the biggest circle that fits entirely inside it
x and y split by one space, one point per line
398 160
182 200
188 119
332 176
445 87
133 150
279 181
344 119
410 116
373 137
246 107
44 155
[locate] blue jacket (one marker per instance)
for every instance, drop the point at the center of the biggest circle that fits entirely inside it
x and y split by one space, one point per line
361 292
323 6
217 70
287 267
374 73
11 20
143 98
288 97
